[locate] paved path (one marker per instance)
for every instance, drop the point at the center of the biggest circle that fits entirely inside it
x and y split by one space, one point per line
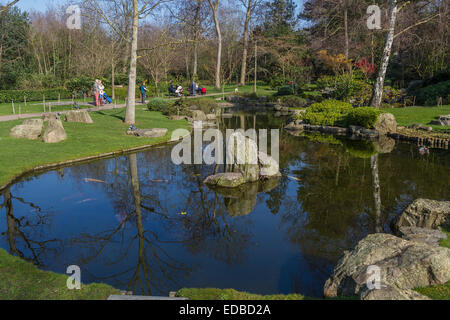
105 107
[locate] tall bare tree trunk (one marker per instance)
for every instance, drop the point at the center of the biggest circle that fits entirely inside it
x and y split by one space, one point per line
196 37
131 101
214 7
244 52
378 90
346 33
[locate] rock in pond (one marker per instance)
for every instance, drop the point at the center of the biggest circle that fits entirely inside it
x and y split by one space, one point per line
198 115
269 167
78 116
55 132
424 213
30 129
404 265
386 123
225 180
178 117
148 133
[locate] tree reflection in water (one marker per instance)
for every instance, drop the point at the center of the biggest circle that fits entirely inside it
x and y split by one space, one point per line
155 227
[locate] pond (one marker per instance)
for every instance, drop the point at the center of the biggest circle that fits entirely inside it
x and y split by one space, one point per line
143 224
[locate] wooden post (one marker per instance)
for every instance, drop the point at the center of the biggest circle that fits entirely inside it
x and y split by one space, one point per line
25 100
59 98
43 102
13 109
84 97
73 98
20 110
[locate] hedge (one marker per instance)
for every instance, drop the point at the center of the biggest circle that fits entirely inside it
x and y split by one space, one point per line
6 96
334 112
364 117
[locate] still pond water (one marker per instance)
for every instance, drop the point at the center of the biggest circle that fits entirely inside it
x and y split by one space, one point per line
143 224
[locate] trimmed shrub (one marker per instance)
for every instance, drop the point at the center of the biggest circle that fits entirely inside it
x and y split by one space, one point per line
285 91
293 101
158 104
327 113
7 96
364 117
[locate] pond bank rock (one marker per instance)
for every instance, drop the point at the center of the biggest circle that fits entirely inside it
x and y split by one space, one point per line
442 121
55 132
404 265
424 213
148 133
423 235
30 129
78 116
386 123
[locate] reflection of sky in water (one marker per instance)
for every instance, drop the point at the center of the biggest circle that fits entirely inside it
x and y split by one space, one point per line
183 236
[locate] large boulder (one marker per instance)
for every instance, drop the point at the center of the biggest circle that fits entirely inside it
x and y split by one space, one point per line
78 116
30 129
148 133
386 123
403 265
198 115
269 167
55 132
245 155
424 213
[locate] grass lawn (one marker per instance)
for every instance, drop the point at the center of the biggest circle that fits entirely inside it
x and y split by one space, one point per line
106 134
420 115
21 280
231 294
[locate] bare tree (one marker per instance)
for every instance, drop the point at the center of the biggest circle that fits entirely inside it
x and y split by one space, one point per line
214 4
8 6
139 12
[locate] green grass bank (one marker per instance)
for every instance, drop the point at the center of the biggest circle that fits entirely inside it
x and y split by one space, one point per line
106 134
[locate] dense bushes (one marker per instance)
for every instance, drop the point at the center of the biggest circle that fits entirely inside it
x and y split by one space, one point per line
158 104
333 112
33 95
294 101
364 117
430 94
79 86
347 87
327 113
285 91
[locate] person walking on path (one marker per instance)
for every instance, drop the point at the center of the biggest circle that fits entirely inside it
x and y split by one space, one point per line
101 88
96 91
144 90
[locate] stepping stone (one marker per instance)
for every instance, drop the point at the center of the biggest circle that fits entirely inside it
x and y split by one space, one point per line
148 133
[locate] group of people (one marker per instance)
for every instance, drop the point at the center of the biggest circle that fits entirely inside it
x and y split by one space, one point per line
100 96
177 90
